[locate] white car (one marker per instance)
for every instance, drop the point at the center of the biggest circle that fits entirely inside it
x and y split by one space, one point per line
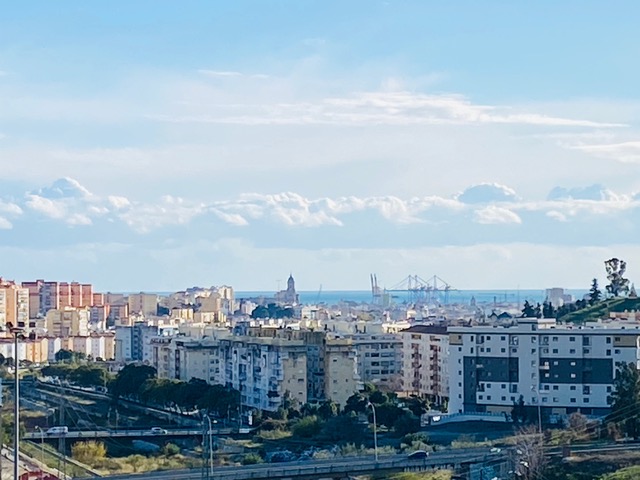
158 431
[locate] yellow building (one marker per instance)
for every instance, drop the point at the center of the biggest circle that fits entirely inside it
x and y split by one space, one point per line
68 322
14 304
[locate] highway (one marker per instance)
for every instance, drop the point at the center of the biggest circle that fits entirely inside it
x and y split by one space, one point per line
326 468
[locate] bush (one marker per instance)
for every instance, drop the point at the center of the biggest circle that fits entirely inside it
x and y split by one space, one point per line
307 427
170 449
251 459
90 452
406 423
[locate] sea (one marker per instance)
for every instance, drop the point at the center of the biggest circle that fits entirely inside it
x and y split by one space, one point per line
332 297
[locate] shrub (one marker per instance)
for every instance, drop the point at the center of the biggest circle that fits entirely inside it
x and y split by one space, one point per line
90 452
170 449
307 427
251 459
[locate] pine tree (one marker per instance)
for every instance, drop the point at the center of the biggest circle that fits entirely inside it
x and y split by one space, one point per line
595 295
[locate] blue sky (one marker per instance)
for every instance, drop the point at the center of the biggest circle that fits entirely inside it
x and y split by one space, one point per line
154 145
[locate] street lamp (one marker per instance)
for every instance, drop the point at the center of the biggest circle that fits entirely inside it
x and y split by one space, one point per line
41 450
17 334
210 433
375 430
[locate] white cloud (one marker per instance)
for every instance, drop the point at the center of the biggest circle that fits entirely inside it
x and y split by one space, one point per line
50 208
625 152
118 202
493 215
5 224
487 193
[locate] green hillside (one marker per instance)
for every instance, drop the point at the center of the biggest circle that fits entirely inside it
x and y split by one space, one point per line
602 310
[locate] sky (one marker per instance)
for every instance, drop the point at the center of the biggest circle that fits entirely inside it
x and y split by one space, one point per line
156 145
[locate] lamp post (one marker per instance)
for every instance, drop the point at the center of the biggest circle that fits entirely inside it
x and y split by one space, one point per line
41 450
17 333
210 433
375 430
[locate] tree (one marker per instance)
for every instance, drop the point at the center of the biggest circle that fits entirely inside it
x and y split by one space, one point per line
406 423
595 295
519 411
616 269
90 452
529 456
625 399
547 310
131 378
307 427
528 311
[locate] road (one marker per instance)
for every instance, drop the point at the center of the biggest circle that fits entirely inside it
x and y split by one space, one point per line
326 468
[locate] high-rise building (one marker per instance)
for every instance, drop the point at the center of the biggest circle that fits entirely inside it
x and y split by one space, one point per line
14 304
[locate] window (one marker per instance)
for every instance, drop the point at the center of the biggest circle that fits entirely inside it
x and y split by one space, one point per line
609 389
573 364
555 350
534 339
488 349
572 387
503 338
488 337
585 400
586 351
503 386
546 387
571 350
488 385
554 339
504 399
471 349
572 400
608 340
616 351
573 375
503 350
608 353
459 384
533 350
586 390
545 399
555 387
488 397
555 399
572 339
617 339
480 397
472 338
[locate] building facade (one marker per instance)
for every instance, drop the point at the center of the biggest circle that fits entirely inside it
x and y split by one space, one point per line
560 368
425 363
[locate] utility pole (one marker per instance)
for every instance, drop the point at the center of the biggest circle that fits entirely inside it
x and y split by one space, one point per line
16 401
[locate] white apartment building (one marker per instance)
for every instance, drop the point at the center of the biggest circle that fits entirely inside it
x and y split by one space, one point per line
68 322
561 368
425 362
14 304
133 343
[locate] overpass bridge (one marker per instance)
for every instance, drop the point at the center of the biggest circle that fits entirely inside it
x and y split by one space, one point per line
120 433
331 468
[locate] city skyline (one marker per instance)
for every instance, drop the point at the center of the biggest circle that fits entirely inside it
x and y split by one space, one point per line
156 146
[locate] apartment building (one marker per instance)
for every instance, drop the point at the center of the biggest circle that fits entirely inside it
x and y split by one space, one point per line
143 303
14 304
425 363
264 370
341 378
328 359
68 322
379 359
561 368
133 343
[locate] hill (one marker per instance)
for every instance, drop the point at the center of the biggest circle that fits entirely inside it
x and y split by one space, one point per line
602 310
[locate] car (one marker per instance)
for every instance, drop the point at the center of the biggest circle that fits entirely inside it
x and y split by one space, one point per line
495 450
158 431
418 455
57 430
